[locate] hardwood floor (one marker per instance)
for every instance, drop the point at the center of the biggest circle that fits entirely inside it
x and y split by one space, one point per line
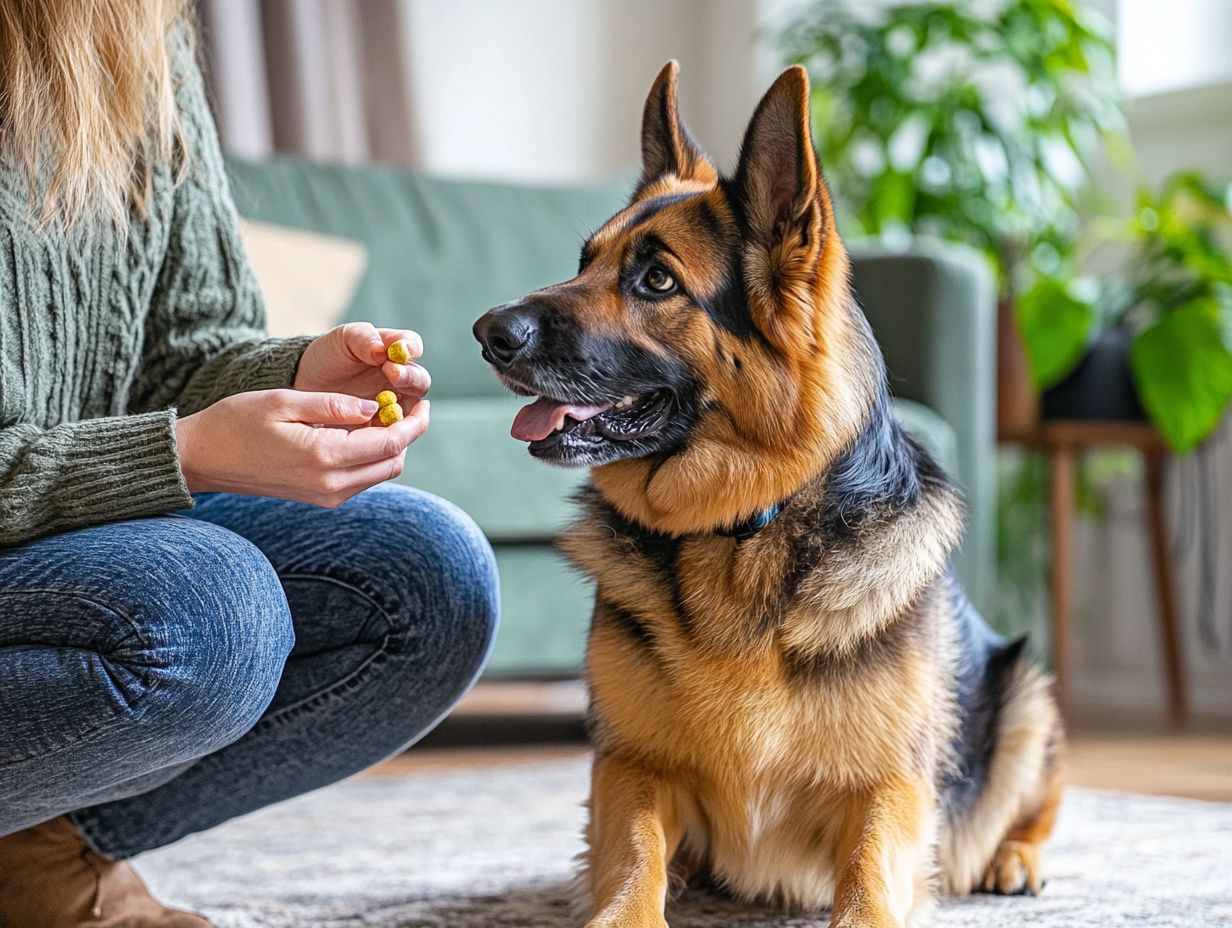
531 723
420 760
1140 754
1197 766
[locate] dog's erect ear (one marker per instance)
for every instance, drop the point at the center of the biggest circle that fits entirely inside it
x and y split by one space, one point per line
667 147
778 179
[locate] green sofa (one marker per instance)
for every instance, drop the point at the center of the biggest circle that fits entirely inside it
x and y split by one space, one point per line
441 252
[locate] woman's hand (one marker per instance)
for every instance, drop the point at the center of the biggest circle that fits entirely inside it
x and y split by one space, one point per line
351 359
311 447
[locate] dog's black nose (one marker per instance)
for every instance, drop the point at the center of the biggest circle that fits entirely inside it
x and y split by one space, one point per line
507 331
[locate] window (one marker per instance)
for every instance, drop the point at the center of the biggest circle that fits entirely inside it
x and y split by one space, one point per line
1173 44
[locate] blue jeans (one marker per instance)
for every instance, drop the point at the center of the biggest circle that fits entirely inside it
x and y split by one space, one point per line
160 676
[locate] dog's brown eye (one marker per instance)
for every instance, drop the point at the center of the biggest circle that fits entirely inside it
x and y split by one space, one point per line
659 280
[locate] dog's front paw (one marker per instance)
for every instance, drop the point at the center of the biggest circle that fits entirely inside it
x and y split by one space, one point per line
1014 870
626 919
863 919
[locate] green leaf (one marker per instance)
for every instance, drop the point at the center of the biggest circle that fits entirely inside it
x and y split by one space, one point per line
893 199
1183 370
1055 323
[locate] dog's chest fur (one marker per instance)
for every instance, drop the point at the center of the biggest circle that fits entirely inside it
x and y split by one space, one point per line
731 668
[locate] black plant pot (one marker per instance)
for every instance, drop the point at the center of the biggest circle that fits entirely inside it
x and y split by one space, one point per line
1101 386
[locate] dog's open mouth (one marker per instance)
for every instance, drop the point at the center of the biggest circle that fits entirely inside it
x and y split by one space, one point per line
546 421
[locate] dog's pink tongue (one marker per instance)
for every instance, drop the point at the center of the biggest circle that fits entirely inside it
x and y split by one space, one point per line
536 420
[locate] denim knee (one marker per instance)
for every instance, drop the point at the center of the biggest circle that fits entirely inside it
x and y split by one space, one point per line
459 580
445 576
224 633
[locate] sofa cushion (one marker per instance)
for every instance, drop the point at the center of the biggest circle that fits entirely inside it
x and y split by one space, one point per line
931 431
545 612
307 279
467 456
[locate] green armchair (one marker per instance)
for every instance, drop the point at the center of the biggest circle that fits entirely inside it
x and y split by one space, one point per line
441 252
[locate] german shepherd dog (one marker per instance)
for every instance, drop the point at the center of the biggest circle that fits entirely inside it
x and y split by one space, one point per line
791 697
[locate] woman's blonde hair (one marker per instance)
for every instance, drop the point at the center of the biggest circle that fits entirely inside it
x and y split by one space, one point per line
87 102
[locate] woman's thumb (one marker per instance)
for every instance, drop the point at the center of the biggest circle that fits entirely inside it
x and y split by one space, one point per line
331 409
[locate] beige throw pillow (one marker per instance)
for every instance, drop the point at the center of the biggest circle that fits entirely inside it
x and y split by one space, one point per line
307 279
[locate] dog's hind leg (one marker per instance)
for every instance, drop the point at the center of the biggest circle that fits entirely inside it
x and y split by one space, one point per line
633 834
993 845
1015 868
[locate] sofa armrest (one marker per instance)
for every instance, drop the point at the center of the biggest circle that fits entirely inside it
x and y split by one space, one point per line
932 307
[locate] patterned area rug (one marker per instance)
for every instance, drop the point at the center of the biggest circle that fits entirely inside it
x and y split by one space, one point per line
491 848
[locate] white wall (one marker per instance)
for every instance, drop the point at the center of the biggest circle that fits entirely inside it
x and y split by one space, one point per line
552 90
1148 30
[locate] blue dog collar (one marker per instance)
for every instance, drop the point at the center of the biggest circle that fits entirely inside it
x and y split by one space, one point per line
754 524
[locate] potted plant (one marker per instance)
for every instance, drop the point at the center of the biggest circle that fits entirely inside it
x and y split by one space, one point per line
971 121
1154 335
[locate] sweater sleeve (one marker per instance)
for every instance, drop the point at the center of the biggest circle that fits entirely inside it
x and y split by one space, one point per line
84 473
205 335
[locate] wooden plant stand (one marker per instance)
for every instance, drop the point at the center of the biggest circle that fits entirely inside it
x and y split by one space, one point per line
1062 442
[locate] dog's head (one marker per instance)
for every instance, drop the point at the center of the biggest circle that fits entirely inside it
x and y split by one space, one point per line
707 359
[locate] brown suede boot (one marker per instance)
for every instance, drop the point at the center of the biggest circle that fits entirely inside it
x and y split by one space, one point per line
50 878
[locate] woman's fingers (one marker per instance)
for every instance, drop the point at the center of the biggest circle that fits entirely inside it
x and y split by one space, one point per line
356 479
407 379
362 342
347 449
414 344
337 409
367 344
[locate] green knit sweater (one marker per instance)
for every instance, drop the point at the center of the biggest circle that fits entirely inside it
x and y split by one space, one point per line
104 338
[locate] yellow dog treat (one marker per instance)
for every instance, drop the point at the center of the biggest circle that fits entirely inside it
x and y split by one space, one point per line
390 414
387 398
398 353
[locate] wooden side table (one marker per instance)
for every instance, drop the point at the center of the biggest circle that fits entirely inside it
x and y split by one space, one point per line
1063 441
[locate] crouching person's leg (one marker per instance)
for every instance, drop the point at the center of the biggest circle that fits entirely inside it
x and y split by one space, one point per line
393 598
127 653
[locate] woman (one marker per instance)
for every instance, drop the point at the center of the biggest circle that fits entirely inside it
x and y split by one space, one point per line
207 603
